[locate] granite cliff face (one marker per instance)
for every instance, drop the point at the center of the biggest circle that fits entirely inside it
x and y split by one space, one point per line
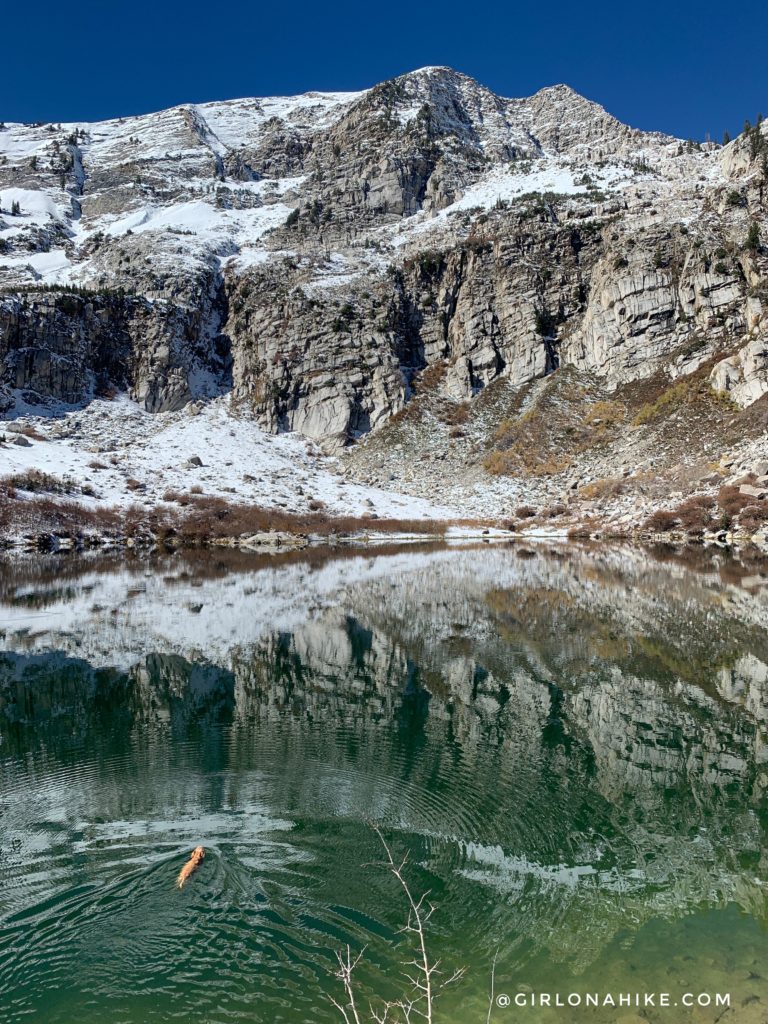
315 255
69 347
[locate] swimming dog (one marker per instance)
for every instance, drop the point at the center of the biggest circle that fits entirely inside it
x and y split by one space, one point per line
194 862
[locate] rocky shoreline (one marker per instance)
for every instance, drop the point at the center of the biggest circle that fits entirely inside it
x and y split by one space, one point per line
144 539
113 476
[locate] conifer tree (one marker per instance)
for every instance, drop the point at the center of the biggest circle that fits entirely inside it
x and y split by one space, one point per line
753 237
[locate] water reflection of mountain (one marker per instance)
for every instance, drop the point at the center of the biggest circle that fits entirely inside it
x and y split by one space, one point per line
584 737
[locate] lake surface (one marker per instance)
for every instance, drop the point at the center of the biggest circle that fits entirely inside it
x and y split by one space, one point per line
570 745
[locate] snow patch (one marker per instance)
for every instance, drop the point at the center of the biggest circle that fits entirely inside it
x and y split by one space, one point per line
108 444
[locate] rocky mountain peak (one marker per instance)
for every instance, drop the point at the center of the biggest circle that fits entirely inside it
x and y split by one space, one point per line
312 254
566 123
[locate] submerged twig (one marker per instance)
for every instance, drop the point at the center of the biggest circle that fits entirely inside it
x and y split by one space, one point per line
424 974
493 987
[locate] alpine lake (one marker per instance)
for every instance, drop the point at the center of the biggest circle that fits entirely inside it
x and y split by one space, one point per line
567 744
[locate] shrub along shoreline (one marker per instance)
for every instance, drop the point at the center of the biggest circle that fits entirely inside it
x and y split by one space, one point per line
47 522
46 519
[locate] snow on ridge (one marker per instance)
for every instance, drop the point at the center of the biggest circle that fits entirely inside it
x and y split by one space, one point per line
506 183
238 122
38 207
53 267
187 145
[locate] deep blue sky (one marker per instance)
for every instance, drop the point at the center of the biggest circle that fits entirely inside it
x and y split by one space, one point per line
674 65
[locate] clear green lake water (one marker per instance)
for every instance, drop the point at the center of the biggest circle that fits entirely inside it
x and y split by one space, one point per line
570 745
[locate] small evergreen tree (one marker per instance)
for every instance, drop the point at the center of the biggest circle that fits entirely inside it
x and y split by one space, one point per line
15 208
753 237
726 137
546 323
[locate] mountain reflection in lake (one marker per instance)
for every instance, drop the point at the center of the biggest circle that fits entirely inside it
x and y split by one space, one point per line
571 744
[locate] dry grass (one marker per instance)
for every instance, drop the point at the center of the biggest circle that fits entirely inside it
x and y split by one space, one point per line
428 380
202 521
697 514
682 394
741 511
179 497
520 459
602 418
661 521
509 431
455 413
206 519
732 501
31 432
45 514
754 518
412 412
669 401
701 513
603 487
694 516
37 482
584 530
554 511
559 426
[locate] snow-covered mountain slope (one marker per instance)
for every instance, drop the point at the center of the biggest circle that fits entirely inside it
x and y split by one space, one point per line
225 175
178 171
117 454
322 258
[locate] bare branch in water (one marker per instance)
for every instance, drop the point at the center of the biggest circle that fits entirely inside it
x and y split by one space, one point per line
344 974
423 974
493 987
